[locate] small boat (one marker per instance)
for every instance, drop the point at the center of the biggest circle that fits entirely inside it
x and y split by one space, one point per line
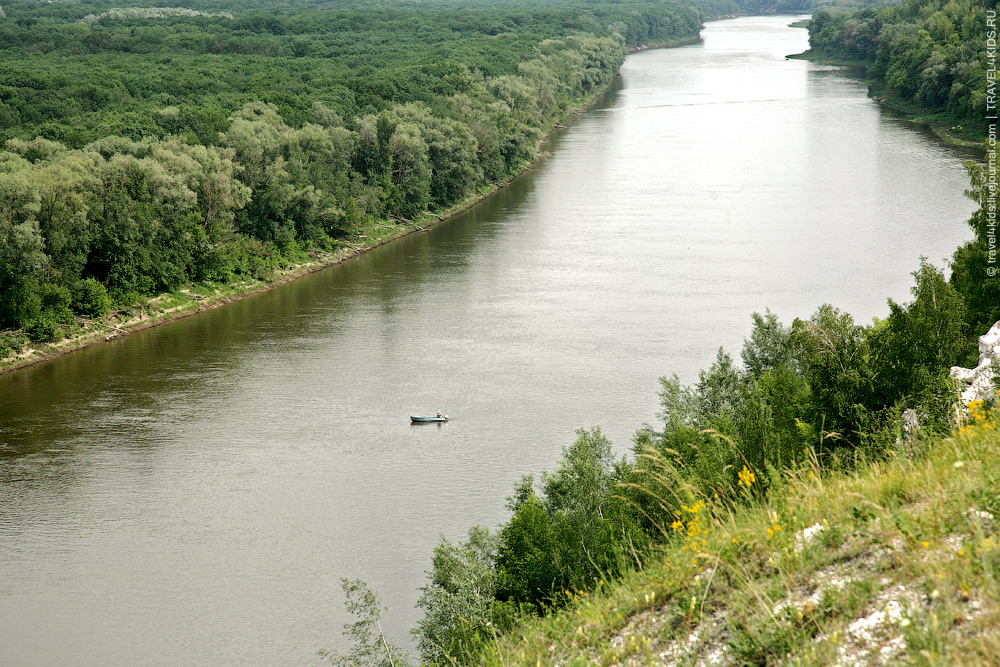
425 420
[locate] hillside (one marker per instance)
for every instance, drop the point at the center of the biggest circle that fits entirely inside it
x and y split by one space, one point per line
897 561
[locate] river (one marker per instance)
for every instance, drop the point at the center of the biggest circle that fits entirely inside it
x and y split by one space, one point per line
192 494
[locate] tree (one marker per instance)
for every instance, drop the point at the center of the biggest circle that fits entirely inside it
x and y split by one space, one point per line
22 258
921 340
972 262
836 361
769 345
574 533
459 600
370 647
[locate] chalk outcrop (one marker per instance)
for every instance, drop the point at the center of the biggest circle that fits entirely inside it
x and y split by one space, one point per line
981 378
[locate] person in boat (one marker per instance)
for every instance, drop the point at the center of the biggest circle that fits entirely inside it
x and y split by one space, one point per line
439 414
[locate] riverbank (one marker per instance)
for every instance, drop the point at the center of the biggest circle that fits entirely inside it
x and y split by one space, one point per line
667 45
947 127
197 298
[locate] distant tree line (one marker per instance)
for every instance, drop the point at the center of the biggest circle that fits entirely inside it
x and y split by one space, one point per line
147 149
806 6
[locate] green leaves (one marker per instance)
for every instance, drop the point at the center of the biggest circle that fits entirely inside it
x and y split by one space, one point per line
369 645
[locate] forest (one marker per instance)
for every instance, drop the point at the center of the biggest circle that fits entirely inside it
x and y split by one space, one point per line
146 148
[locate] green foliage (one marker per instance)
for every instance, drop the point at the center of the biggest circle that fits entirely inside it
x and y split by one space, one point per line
527 548
578 530
571 535
835 354
929 52
768 347
44 329
56 300
733 417
921 340
459 602
11 343
972 261
369 645
90 298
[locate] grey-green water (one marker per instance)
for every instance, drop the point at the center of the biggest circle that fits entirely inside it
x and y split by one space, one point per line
192 494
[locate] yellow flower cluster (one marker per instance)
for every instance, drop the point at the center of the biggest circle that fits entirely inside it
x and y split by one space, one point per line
690 520
747 478
981 417
773 530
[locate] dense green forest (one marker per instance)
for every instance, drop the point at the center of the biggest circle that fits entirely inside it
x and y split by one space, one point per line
927 53
806 6
145 148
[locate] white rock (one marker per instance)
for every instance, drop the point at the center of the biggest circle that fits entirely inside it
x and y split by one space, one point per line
989 345
804 537
980 378
963 374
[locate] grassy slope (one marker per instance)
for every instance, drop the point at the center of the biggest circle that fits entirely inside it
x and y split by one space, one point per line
899 562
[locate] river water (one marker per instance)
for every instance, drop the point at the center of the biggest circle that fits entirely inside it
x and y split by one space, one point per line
192 494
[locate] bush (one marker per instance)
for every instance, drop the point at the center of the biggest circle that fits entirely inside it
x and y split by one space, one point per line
56 300
575 532
11 342
459 600
90 298
44 329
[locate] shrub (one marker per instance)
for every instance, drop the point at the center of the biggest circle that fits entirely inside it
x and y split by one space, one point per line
54 296
56 300
90 298
44 329
11 342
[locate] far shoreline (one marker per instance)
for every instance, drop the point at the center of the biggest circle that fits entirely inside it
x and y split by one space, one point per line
152 314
